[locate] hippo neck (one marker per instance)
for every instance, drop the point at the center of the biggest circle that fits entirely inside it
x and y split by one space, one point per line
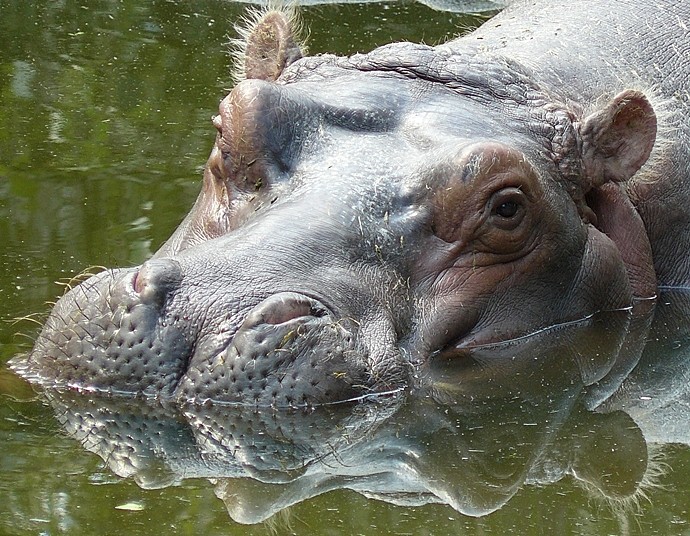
492 81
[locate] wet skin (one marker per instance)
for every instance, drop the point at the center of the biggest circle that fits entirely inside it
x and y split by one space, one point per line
361 217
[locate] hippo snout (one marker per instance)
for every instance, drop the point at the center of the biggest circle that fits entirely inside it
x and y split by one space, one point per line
125 331
112 334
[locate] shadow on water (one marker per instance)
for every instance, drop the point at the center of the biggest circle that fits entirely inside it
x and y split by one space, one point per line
104 124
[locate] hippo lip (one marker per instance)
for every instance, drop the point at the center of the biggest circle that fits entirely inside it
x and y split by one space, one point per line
281 314
287 349
284 307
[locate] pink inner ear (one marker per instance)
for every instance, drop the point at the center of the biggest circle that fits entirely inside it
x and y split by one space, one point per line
618 139
633 132
270 47
618 219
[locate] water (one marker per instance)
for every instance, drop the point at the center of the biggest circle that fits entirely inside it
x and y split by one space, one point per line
104 125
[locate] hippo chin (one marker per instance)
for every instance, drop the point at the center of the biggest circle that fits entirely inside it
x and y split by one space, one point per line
361 217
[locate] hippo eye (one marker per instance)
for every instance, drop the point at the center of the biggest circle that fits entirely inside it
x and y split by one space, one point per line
507 208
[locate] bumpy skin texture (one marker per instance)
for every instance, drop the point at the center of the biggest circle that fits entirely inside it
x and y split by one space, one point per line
362 216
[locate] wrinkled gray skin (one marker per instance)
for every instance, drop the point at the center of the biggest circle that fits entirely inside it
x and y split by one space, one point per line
361 217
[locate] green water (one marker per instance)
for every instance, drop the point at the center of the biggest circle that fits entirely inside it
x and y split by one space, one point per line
104 128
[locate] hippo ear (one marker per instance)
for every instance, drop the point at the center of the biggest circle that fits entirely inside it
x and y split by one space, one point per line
618 139
270 45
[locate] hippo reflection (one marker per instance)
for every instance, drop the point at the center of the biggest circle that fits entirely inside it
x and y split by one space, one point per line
361 217
514 414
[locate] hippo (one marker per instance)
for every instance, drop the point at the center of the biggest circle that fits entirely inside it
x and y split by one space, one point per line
364 218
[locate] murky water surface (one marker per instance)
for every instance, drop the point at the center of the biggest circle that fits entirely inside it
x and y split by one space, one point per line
104 128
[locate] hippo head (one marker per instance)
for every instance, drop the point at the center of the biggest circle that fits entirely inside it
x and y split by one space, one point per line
360 217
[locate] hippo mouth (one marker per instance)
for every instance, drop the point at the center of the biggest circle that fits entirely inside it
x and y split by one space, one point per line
268 326
273 325
286 309
290 350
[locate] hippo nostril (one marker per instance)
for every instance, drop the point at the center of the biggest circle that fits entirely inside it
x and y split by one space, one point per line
216 163
218 122
156 279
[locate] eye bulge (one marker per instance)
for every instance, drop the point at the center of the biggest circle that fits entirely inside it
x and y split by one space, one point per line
487 191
